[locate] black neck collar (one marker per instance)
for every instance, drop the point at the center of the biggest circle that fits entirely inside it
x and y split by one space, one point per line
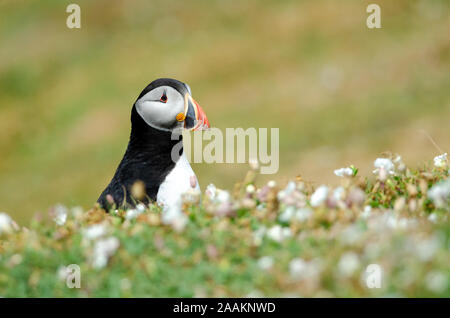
148 158
146 140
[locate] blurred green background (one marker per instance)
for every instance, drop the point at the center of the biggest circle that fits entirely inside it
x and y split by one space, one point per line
341 93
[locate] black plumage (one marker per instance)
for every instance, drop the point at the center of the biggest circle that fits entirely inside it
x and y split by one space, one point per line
147 158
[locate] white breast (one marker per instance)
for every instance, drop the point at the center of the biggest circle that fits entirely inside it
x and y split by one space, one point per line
177 182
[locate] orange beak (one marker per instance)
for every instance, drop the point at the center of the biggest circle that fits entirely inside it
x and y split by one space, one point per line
195 117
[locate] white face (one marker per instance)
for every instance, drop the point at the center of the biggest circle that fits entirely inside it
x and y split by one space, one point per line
160 106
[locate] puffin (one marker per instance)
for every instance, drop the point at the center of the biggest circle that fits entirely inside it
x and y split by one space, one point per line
154 157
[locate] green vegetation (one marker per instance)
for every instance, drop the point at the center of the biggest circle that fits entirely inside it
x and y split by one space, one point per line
339 92
295 241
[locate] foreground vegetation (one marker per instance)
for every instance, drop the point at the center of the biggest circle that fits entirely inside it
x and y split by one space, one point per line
295 241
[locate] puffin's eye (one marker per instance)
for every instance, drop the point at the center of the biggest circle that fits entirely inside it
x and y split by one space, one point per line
163 98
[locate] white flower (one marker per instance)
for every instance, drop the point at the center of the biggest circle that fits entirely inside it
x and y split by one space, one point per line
140 207
436 282
290 187
250 188
171 213
62 273
94 231
265 263
344 172
433 217
440 194
287 215
217 196
398 159
367 211
134 213
278 233
297 267
338 193
300 269
254 164
103 249
395 222
441 160
303 214
211 191
319 196
383 165
60 214
348 264
272 184
223 196
6 223
290 212
131 214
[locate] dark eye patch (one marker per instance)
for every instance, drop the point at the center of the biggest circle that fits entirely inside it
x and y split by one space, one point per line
163 98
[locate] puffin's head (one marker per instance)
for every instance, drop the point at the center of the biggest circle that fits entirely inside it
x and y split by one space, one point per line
166 104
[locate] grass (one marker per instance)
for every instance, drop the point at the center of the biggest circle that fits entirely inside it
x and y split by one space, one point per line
252 241
311 68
